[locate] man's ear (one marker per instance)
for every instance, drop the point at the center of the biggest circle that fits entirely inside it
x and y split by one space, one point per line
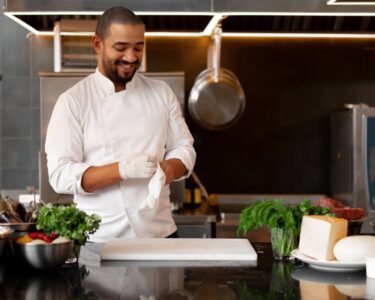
97 44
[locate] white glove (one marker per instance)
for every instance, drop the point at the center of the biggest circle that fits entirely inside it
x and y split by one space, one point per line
138 165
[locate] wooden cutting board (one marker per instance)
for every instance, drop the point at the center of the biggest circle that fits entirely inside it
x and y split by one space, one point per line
178 249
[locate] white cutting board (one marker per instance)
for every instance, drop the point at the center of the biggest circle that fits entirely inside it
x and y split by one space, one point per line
178 249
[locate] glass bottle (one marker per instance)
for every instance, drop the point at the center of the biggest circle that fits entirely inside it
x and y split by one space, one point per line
193 195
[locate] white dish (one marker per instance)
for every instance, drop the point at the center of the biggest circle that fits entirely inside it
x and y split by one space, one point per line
332 266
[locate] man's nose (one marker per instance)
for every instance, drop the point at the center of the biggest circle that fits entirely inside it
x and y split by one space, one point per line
130 56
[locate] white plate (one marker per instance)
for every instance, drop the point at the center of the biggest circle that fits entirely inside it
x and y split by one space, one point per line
332 266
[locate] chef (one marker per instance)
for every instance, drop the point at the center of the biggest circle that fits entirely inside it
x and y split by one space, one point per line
117 139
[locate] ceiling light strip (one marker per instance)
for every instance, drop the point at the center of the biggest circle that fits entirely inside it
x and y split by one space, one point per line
201 34
22 23
333 2
300 13
96 13
298 35
147 34
187 13
233 34
173 34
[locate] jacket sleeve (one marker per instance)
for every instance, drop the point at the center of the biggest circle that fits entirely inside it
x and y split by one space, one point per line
179 141
64 147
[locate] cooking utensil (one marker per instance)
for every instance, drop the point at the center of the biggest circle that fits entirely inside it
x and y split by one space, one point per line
44 256
217 100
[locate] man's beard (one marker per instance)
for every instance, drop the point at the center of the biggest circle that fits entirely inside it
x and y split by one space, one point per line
113 74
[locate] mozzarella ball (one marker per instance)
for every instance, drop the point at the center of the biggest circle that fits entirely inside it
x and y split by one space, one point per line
354 248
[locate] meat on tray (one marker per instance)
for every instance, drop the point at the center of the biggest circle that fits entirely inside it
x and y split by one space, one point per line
340 209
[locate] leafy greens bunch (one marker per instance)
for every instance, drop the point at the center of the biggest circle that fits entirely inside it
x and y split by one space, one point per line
273 214
67 221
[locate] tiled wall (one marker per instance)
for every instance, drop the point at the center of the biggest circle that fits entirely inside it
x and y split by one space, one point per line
22 56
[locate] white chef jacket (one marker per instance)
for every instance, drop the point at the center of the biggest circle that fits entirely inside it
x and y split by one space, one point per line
92 125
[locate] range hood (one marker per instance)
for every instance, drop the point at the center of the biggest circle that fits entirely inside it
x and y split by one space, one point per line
345 18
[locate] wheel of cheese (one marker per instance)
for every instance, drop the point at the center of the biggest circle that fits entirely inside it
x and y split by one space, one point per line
354 248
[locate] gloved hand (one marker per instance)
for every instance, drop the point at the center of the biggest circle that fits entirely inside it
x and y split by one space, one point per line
138 165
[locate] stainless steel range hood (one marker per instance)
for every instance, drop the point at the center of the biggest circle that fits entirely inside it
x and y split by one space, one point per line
196 17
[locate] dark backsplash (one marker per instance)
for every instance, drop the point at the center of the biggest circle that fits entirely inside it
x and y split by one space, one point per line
281 144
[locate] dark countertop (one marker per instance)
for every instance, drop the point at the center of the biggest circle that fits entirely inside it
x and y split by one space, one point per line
154 280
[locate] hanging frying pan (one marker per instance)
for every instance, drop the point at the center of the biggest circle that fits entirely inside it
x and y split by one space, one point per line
216 100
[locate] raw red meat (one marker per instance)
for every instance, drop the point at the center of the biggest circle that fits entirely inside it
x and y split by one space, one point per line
349 213
329 202
340 209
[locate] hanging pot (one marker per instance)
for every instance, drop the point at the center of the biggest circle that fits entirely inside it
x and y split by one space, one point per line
216 100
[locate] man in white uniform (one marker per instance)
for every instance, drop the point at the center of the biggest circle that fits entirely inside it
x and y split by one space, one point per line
109 133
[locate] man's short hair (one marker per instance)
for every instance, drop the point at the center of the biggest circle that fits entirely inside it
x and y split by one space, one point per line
117 14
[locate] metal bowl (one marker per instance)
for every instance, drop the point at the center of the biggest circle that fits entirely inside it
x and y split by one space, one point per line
24 227
44 256
4 239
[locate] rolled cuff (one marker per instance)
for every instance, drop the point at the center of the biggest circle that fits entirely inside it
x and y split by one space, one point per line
68 179
79 188
186 158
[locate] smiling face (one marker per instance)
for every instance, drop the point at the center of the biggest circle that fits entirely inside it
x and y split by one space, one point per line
120 52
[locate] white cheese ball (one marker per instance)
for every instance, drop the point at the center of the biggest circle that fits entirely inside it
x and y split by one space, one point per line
37 242
354 248
60 239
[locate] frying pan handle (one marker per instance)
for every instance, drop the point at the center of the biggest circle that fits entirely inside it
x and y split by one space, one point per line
216 51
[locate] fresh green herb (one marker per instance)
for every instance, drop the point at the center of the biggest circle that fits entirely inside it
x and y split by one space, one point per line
306 208
274 214
283 221
271 213
67 221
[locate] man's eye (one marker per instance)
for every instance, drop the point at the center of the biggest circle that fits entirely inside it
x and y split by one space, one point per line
138 49
120 49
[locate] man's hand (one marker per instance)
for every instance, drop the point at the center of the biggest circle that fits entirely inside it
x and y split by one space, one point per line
173 169
138 165
168 170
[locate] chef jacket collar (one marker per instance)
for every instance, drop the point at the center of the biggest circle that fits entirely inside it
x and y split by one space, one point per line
107 85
